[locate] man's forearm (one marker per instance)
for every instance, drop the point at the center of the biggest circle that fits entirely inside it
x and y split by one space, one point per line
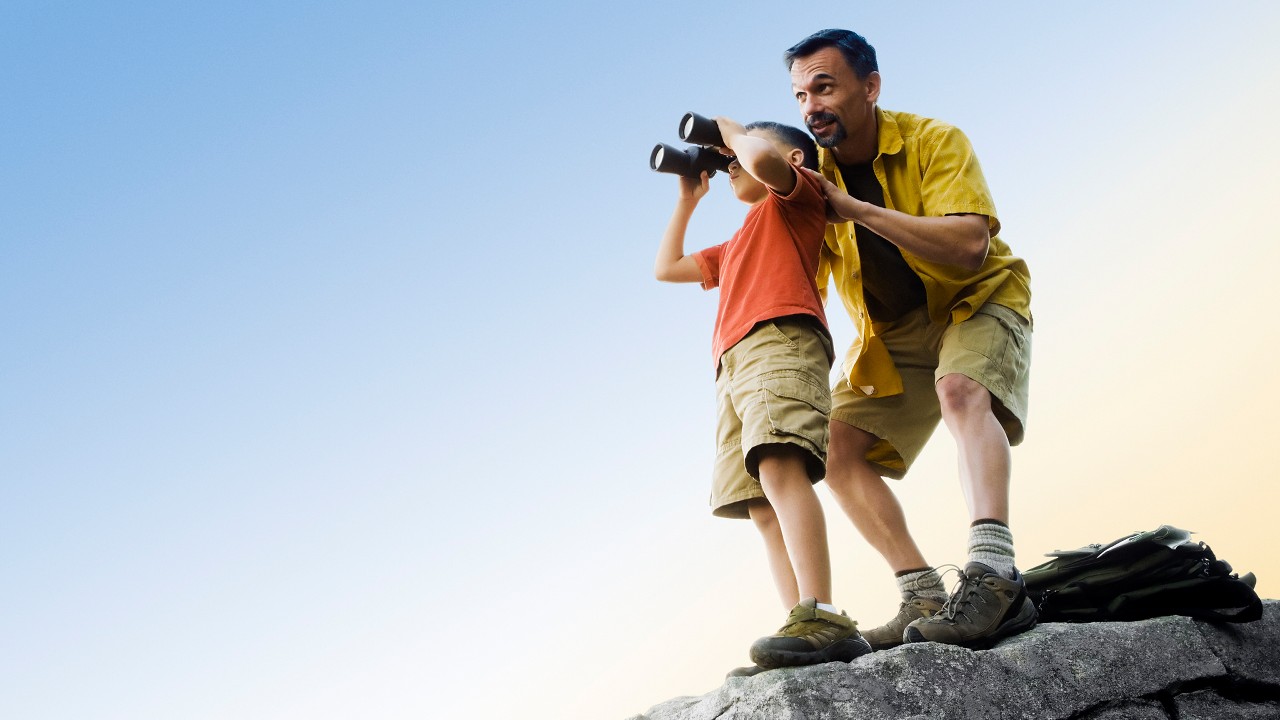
959 240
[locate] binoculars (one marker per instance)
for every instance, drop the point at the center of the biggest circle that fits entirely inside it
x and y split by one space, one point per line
704 135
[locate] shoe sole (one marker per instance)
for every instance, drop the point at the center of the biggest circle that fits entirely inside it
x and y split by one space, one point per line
1020 623
846 650
877 646
745 672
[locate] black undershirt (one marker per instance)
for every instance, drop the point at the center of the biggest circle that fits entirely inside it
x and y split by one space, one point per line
890 287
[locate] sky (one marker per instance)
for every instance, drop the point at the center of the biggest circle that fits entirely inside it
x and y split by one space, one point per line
336 382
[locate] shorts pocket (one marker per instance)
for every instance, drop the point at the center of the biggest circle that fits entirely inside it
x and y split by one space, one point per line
781 336
797 407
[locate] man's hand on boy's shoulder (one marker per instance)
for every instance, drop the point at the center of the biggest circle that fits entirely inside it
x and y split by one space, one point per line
828 189
826 185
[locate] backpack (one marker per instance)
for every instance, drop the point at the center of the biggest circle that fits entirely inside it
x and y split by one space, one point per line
1144 575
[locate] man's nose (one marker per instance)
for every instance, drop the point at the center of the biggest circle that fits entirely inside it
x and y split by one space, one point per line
808 107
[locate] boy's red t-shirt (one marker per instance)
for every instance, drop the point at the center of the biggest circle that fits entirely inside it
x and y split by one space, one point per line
767 269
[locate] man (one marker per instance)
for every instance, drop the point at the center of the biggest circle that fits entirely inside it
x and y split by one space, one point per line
942 309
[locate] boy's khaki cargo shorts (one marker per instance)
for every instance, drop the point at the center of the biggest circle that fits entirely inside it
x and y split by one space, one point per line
773 386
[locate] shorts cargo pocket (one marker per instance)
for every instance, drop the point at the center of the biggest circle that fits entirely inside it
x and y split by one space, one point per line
999 335
798 407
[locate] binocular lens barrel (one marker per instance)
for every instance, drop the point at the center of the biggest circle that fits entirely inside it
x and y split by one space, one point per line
687 125
699 130
689 162
657 158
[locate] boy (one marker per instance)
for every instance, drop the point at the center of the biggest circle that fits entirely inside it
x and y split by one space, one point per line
773 357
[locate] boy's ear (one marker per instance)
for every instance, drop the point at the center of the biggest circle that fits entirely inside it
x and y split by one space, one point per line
795 156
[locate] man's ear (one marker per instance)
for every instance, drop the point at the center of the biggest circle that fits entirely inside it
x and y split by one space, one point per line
873 86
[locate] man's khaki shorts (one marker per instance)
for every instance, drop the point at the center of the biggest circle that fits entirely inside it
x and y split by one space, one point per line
772 387
993 348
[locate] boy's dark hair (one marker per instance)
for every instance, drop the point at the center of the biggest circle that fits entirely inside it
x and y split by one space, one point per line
793 136
855 49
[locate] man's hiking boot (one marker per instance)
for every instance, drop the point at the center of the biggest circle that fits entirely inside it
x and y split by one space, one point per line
745 671
985 608
811 636
889 635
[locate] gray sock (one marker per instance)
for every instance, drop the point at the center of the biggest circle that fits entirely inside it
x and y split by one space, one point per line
924 582
991 543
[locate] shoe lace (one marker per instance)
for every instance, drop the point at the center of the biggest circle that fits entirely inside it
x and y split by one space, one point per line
962 593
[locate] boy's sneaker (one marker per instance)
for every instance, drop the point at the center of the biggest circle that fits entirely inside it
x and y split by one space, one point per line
985 608
811 636
745 671
889 635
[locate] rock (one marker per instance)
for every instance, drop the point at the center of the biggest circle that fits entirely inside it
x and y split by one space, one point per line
1169 667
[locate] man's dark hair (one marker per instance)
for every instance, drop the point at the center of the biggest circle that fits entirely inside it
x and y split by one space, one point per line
793 136
855 49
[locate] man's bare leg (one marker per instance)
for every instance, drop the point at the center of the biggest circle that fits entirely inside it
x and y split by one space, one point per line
867 499
874 509
992 593
983 447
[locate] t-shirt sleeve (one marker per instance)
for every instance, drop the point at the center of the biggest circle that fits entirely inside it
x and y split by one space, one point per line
709 265
952 181
806 194
805 207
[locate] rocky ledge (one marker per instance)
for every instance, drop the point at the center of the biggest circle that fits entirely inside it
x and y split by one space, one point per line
1169 667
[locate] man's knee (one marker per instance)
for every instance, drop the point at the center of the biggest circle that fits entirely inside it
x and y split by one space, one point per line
960 395
849 442
847 454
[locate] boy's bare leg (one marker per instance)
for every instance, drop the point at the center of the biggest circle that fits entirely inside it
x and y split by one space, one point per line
813 633
775 550
982 445
867 499
786 484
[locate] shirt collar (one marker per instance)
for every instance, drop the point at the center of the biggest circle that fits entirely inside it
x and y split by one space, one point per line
887 134
887 129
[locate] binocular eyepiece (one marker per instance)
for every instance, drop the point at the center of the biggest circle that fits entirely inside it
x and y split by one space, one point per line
704 135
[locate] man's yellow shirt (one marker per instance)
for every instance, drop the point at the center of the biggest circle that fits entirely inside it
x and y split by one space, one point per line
926 168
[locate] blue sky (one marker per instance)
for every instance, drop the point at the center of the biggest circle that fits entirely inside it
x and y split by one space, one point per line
336 381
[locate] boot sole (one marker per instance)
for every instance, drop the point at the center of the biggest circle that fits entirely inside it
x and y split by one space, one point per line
745 672
878 646
843 651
